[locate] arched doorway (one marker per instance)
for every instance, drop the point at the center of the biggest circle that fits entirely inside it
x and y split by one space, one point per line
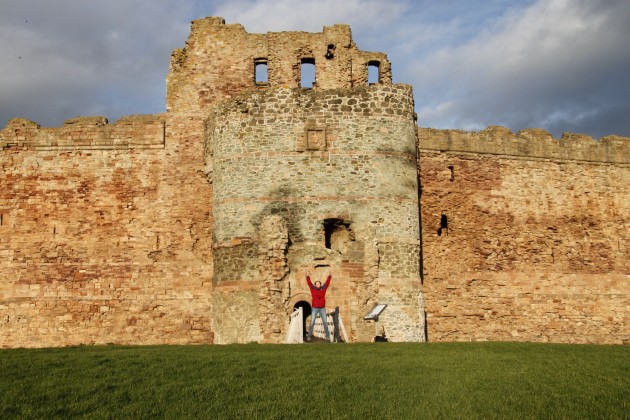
306 313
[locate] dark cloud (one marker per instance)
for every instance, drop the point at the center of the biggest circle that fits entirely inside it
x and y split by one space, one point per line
67 58
556 64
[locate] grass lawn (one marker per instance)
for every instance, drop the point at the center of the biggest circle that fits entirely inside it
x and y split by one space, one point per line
370 380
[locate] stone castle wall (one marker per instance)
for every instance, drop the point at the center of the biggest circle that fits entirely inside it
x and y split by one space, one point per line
538 236
103 240
533 143
199 225
308 157
85 133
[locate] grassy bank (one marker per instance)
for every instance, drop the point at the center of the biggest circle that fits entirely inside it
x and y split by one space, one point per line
437 380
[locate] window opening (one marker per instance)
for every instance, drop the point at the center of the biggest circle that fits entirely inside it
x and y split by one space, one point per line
374 72
1 216
452 169
336 233
443 225
330 52
261 73
307 73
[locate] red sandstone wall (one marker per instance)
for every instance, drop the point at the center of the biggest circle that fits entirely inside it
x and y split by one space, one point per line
86 133
537 249
104 245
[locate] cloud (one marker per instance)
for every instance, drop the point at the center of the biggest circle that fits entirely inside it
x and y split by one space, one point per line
557 64
311 16
91 59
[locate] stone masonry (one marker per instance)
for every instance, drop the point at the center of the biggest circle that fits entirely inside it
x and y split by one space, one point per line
199 225
358 177
537 243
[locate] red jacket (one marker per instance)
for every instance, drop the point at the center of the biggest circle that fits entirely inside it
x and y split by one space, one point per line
318 295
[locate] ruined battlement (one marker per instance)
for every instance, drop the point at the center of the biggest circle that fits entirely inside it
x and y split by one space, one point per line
221 61
531 143
85 133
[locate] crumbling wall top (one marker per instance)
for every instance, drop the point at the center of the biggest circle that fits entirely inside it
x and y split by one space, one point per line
85 133
529 143
222 60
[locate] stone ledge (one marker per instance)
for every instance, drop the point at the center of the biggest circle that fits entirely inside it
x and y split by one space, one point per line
533 143
86 133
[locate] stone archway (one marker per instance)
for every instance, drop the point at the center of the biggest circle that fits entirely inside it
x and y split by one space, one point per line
306 312
302 300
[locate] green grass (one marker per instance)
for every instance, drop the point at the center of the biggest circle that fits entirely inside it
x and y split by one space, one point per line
371 380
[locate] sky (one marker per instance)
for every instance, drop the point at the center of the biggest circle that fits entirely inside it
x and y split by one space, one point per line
561 65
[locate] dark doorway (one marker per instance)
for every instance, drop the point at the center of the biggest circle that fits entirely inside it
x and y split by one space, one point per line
306 312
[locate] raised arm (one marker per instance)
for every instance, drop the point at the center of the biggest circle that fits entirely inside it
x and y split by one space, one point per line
308 280
327 281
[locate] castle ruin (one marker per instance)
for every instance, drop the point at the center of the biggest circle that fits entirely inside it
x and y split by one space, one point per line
199 225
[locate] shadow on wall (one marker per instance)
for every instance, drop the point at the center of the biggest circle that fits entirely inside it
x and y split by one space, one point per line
291 212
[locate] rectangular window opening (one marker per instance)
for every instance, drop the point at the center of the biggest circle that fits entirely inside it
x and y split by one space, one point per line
307 73
261 72
374 72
